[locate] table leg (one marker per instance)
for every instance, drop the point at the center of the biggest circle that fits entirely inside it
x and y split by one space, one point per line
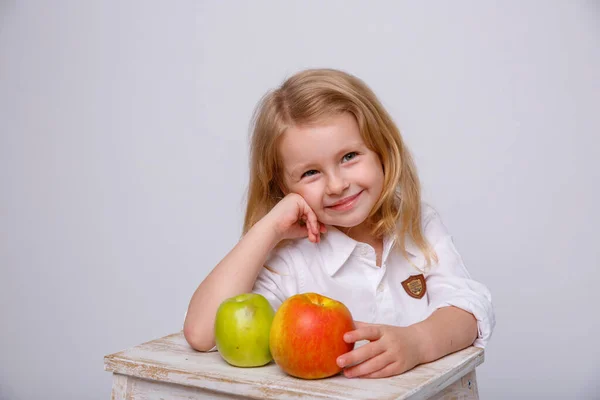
119 387
463 389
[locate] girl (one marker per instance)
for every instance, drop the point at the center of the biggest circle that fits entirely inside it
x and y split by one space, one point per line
334 207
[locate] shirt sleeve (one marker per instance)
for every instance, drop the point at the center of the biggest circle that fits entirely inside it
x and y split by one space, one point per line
450 284
276 281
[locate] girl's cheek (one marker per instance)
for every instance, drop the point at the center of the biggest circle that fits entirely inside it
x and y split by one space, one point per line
313 199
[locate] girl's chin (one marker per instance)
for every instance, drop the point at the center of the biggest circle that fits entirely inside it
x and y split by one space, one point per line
347 224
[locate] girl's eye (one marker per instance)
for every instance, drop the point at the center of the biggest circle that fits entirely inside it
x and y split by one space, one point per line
349 156
309 173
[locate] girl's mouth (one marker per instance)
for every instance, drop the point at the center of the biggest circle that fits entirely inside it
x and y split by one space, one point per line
346 203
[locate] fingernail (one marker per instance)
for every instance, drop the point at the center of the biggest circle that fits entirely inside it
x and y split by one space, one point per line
340 362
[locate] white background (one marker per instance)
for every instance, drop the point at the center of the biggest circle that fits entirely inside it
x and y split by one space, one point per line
123 166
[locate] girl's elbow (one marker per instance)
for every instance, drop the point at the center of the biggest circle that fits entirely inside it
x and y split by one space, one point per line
199 339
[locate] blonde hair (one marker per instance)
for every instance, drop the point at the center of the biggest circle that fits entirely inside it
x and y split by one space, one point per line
308 97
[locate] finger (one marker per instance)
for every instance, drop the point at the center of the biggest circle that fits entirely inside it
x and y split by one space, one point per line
389 370
313 230
365 332
309 231
360 324
309 228
370 366
308 221
313 223
361 354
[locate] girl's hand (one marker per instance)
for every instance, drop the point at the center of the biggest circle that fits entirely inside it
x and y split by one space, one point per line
392 350
292 218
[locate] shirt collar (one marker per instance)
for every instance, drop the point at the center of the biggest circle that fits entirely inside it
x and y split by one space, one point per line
336 247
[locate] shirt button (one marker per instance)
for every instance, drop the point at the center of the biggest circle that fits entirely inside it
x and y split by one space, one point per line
380 288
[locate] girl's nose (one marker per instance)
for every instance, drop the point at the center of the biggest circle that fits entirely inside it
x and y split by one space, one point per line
336 185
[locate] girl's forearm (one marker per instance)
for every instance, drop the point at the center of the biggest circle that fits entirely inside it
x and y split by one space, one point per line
234 275
447 330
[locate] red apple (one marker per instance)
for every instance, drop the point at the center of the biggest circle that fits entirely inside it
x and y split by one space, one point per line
307 335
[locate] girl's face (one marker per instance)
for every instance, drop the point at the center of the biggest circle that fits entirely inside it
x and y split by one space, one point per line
330 166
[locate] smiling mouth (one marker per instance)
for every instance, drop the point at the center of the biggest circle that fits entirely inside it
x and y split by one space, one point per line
345 202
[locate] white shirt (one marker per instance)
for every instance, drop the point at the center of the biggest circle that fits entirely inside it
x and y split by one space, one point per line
345 270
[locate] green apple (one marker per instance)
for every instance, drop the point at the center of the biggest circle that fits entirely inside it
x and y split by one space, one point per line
242 328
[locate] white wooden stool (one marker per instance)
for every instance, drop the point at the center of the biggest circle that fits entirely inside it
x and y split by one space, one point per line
168 368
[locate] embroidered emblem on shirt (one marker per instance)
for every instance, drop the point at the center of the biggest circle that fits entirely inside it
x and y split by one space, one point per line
415 286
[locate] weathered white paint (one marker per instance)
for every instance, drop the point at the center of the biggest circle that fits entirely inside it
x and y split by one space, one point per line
170 368
130 388
119 387
463 389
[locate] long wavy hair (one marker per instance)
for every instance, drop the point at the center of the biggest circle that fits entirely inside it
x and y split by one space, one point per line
310 96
